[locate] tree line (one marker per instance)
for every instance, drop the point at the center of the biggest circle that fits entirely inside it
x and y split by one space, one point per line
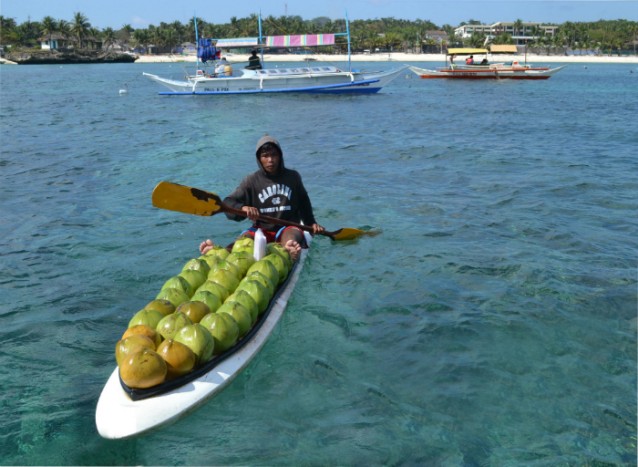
388 34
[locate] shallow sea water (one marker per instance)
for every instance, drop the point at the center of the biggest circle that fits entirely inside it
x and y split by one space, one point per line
493 322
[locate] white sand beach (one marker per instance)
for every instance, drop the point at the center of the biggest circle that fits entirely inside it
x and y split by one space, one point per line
392 57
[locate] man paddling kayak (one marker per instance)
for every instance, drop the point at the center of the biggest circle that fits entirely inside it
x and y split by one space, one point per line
275 191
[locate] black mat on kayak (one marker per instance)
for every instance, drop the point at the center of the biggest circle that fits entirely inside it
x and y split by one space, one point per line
170 385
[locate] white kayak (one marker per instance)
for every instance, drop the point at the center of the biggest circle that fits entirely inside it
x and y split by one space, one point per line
118 416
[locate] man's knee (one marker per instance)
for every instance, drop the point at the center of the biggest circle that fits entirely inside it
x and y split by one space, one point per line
292 233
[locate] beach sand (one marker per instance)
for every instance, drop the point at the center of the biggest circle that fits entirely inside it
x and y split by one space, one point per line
392 57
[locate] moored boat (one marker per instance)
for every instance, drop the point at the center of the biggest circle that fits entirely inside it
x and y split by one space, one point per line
490 73
304 79
315 79
485 69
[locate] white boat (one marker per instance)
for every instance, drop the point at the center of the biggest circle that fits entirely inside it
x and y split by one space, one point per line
124 413
485 69
321 79
305 79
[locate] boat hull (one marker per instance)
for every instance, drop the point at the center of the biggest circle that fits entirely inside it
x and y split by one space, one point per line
314 80
519 73
118 416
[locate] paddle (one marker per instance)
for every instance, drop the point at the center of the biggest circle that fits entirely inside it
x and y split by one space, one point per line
181 198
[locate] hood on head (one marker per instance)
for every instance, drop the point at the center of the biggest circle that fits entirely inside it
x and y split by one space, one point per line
265 140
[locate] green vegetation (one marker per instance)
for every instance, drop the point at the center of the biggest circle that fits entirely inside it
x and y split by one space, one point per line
385 34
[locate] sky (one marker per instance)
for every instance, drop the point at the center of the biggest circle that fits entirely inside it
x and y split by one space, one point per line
142 13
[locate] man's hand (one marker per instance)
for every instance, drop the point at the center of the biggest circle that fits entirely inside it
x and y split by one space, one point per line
251 212
316 228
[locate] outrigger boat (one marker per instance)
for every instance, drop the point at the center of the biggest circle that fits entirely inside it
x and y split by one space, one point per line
484 69
123 412
316 79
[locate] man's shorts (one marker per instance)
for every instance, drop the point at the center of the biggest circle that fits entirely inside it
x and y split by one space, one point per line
273 236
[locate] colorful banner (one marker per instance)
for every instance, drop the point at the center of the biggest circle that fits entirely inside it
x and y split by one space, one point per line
302 40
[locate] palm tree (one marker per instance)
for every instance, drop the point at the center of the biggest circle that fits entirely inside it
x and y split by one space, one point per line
49 26
477 39
234 27
64 28
168 38
93 34
504 38
108 38
392 40
141 37
250 26
80 27
518 25
8 31
29 33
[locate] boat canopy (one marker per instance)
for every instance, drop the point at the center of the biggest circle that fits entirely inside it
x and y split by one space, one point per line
300 40
210 49
238 42
503 49
466 51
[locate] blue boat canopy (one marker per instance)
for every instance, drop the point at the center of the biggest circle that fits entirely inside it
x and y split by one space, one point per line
206 50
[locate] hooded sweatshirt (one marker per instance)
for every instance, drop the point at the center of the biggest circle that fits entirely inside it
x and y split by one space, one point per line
281 195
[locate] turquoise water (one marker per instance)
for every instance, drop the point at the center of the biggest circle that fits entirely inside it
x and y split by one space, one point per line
493 322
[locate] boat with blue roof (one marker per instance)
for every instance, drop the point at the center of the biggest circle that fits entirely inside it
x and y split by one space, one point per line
313 79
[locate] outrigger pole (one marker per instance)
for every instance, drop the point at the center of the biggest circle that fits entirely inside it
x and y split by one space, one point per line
196 42
261 45
347 34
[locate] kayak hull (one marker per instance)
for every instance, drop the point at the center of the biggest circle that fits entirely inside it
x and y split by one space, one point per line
118 416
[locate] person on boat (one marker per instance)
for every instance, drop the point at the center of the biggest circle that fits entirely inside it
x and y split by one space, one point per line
469 60
484 61
253 62
223 68
275 191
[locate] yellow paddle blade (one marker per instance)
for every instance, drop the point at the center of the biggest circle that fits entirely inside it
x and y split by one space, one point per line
180 198
348 233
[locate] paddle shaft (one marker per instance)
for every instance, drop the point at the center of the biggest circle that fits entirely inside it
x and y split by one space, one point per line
201 194
189 200
268 219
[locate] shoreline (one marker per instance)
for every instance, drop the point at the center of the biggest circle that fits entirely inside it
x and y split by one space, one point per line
393 57
383 57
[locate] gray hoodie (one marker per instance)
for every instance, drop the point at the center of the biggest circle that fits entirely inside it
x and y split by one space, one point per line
282 195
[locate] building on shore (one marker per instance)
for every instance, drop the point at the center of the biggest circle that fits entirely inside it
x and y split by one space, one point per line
521 32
